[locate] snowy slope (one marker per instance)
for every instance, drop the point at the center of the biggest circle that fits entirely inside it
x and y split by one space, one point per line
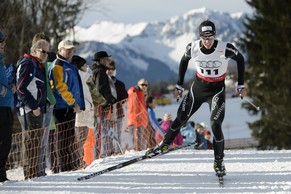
185 171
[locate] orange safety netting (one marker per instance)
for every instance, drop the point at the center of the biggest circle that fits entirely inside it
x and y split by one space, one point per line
38 152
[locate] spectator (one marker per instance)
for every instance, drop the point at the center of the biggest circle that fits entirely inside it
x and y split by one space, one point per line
110 70
31 91
107 97
207 135
121 92
188 132
200 139
100 78
51 101
44 149
67 88
6 115
137 111
153 122
86 118
167 121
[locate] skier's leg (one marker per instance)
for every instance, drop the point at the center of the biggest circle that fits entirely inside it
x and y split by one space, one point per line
186 109
217 106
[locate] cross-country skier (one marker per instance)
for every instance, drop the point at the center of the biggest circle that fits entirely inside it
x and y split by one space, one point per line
211 60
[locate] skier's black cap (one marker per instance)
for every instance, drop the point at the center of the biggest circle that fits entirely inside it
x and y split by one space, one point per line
207 27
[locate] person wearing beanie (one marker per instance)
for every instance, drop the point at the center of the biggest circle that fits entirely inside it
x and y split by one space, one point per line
167 117
79 62
166 126
211 57
6 115
86 117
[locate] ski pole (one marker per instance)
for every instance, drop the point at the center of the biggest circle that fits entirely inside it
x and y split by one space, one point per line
256 107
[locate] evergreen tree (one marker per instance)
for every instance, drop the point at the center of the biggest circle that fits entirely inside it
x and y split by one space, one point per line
267 42
20 20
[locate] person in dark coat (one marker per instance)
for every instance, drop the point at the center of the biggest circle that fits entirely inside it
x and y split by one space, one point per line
100 78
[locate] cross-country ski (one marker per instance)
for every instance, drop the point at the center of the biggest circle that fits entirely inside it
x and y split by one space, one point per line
132 161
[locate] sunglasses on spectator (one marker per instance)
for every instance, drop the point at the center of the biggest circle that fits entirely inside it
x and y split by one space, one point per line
207 37
43 51
144 85
111 69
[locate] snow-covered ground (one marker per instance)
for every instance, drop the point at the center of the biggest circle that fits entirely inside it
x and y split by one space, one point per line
182 171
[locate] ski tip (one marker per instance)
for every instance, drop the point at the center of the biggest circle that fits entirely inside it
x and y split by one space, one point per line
82 178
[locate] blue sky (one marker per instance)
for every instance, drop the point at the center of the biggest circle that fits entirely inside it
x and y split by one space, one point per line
134 11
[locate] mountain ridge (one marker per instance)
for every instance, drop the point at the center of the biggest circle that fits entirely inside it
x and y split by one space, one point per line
152 50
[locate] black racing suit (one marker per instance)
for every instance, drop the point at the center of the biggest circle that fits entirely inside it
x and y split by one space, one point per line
203 90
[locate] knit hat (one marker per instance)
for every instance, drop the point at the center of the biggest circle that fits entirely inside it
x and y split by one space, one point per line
192 124
207 27
207 132
67 44
167 117
78 61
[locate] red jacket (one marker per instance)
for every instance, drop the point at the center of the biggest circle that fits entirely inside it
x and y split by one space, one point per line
137 110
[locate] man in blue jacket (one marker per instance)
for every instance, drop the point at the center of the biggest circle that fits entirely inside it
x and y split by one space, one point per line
67 88
31 93
6 121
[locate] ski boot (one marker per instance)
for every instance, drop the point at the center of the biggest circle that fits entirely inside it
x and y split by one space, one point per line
158 149
219 166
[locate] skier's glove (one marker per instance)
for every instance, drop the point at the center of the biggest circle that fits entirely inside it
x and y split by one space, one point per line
240 89
179 91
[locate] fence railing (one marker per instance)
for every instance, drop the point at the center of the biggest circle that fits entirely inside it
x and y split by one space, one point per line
32 155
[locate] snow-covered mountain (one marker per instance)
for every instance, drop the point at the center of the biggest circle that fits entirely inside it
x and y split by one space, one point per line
153 50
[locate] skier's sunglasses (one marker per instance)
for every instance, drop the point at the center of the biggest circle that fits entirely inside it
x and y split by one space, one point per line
207 37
